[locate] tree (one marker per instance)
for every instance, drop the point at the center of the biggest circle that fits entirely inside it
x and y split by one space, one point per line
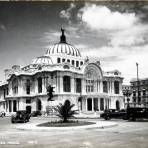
65 110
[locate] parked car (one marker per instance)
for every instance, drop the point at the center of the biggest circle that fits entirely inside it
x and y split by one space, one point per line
112 113
134 113
36 113
20 116
2 114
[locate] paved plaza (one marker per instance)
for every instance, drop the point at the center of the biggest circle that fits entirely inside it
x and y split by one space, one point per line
126 134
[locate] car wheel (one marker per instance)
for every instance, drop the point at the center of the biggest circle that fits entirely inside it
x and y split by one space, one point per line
24 120
133 119
107 118
12 121
124 117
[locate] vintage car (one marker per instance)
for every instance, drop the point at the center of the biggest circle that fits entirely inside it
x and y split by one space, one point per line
20 116
134 113
112 113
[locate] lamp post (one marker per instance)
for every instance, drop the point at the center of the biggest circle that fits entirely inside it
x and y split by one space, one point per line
138 83
127 94
80 101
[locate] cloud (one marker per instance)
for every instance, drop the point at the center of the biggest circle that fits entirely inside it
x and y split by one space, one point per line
101 17
133 36
67 13
121 29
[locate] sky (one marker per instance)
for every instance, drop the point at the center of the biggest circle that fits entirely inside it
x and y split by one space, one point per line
114 33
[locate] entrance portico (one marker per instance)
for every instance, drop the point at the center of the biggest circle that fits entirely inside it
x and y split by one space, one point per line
97 103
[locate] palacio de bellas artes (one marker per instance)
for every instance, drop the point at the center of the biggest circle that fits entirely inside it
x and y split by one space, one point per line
85 51
73 76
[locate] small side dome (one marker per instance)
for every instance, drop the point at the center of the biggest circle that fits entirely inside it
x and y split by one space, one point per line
43 60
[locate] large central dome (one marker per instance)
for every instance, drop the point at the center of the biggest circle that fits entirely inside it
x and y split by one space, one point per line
63 48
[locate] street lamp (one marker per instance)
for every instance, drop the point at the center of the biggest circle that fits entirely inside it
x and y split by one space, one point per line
127 93
80 101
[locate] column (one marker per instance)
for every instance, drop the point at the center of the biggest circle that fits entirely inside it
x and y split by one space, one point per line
11 105
46 83
108 84
43 84
113 87
61 84
83 87
22 103
99 104
72 85
92 104
7 108
101 86
17 104
86 104
110 87
58 84
20 87
120 87
33 104
44 103
95 86
104 103
35 86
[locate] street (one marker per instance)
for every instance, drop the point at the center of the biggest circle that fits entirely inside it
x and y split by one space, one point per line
126 134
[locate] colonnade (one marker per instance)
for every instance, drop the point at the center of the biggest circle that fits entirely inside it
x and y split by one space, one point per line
92 106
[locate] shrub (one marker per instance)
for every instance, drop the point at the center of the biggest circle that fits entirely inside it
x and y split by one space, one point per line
65 111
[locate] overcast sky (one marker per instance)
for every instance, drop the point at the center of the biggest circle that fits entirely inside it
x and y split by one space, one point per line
116 34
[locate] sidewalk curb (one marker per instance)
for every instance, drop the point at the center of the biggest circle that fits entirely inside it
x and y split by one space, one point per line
97 125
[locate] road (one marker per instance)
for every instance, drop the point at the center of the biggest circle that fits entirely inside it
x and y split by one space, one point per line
126 134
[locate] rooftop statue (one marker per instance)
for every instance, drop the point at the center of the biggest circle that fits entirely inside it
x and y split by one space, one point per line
62 37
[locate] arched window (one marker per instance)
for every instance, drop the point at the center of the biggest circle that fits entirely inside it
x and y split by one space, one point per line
89 104
102 104
39 85
14 106
78 85
15 86
58 60
117 105
66 84
77 63
73 62
89 85
105 86
116 87
63 60
28 86
81 63
39 105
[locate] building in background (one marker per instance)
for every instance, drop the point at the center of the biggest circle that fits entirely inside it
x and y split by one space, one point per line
127 92
73 77
139 92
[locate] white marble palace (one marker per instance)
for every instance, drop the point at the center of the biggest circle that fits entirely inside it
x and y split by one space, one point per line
74 77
